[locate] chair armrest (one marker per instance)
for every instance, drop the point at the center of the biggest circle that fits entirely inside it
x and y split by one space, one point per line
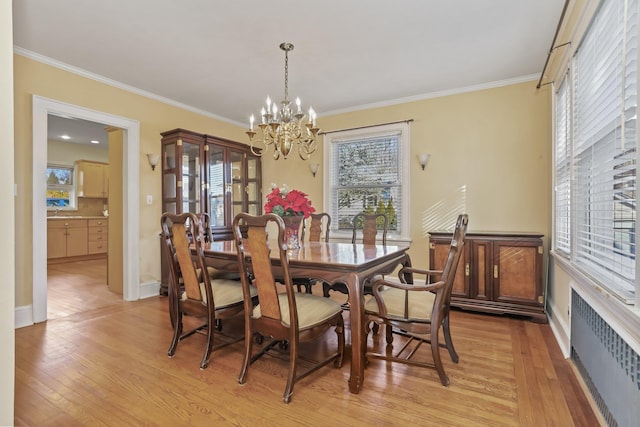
409 271
375 286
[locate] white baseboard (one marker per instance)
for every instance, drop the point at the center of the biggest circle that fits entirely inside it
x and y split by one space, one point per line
24 316
561 331
149 289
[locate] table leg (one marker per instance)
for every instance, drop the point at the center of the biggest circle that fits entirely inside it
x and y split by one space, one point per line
358 337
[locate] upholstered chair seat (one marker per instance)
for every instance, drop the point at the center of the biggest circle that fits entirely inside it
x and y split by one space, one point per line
312 310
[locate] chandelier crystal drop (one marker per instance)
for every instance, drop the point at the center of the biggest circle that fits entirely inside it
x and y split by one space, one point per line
282 127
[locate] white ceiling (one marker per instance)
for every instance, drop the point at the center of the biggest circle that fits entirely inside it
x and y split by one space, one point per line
78 131
222 58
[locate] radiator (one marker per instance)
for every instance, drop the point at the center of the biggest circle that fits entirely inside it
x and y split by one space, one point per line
608 365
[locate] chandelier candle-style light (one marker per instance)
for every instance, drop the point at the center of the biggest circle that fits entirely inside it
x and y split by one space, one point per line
281 127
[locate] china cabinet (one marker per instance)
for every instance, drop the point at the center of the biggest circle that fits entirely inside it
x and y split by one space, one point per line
498 273
204 173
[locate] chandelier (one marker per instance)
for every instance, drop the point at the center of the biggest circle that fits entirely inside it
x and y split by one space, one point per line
281 127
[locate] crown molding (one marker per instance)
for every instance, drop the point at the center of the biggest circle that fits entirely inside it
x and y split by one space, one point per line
422 97
101 79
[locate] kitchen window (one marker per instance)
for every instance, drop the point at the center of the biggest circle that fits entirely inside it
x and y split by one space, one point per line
61 189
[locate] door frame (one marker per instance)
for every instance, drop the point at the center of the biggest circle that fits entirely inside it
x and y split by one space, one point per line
42 107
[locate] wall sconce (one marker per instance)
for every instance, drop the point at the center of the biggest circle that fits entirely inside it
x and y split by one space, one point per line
423 159
153 159
313 167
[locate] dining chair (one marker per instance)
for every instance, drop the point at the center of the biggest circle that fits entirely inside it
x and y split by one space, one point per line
193 293
418 311
286 318
365 228
214 273
316 227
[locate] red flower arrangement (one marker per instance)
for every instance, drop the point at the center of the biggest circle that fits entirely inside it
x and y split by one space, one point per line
286 202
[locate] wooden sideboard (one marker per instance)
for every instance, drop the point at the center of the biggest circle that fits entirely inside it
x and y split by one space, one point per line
499 273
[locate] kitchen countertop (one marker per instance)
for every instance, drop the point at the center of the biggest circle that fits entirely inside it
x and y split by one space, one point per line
67 217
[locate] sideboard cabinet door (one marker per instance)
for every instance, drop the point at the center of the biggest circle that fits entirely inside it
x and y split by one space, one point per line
498 273
439 249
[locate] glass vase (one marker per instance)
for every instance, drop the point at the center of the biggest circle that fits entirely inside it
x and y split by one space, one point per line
292 230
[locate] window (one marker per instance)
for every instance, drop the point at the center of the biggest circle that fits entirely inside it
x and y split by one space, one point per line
369 173
562 179
61 190
595 150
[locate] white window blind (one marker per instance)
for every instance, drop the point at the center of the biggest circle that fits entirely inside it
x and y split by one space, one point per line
604 148
368 175
562 183
368 172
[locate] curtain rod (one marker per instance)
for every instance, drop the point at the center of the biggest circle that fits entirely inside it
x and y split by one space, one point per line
564 10
368 126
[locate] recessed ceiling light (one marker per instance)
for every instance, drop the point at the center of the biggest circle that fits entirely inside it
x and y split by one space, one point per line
93 141
65 136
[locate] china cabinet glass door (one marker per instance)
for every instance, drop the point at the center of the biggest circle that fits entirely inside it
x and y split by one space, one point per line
191 178
237 183
169 181
254 202
217 187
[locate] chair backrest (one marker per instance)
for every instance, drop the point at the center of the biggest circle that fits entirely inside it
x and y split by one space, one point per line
451 264
318 226
179 233
205 226
254 249
370 224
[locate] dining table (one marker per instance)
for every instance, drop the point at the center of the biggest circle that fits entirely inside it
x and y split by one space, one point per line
331 262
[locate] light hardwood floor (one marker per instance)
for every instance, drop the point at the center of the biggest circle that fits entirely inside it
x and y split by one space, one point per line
73 287
108 365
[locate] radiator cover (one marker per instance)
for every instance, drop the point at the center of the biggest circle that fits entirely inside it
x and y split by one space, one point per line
608 365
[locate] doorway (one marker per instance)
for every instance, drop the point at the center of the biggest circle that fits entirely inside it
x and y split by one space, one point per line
42 107
78 151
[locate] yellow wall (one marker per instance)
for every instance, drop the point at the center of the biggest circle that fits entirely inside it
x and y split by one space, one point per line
490 150
31 77
493 143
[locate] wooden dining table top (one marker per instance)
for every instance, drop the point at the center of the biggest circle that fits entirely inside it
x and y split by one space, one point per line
337 254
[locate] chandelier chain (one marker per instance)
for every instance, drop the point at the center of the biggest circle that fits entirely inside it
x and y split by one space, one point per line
286 75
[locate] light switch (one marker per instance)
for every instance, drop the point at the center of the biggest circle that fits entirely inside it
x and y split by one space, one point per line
149 199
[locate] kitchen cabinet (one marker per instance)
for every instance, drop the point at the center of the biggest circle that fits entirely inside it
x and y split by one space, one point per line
97 236
498 273
93 179
66 238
